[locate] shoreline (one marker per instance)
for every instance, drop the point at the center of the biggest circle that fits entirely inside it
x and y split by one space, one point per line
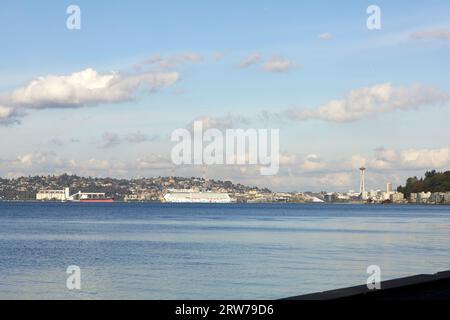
242 203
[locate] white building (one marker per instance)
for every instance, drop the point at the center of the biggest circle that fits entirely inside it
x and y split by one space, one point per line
388 193
353 194
439 198
58 195
420 197
64 195
376 195
396 197
388 187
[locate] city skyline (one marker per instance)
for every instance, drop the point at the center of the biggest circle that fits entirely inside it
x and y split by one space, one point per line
104 100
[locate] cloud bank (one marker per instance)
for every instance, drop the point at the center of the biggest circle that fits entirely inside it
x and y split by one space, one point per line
82 89
367 102
297 172
411 158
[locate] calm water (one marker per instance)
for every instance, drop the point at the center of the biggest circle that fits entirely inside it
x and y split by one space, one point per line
166 251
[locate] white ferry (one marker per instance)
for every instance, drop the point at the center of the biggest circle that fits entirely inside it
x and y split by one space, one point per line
194 196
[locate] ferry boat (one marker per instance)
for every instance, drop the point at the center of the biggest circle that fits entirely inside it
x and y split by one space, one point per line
195 196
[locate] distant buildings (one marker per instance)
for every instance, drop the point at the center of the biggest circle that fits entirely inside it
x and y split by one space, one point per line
420 197
174 189
377 196
430 198
439 198
390 196
393 196
397 197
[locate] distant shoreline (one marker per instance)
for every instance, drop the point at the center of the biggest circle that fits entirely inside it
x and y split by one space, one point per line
236 203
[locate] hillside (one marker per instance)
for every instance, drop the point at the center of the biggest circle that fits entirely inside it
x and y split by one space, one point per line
25 188
432 182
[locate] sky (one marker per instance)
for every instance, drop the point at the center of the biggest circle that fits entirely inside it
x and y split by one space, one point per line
103 100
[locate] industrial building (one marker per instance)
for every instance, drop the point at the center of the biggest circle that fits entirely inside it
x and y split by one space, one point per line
64 195
53 195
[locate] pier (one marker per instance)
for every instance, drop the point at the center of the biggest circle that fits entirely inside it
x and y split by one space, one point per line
420 287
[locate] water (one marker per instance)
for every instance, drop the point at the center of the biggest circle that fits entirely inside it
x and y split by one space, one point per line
177 251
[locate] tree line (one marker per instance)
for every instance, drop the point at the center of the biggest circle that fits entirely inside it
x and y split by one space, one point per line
432 182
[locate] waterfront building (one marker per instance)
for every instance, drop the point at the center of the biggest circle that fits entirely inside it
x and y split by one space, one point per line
396 197
55 195
419 197
439 198
64 195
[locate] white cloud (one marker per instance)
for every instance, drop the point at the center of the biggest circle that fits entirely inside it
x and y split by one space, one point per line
221 123
432 33
80 89
250 60
111 139
162 62
5 112
325 36
335 180
394 160
367 102
87 87
355 162
98 164
288 159
387 155
42 160
384 159
425 158
279 64
299 173
312 163
26 159
44 163
156 163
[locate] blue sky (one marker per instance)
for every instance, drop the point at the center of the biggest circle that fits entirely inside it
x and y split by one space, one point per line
120 37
